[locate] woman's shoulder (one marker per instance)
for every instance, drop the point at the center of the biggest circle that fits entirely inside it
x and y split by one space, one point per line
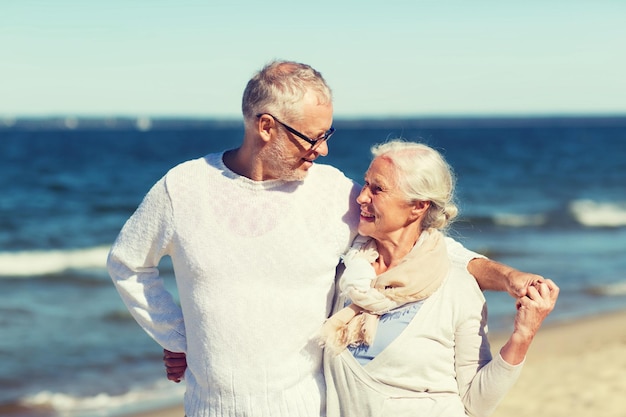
462 284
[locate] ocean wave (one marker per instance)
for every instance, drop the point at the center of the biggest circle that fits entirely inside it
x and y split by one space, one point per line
37 263
599 214
582 212
614 289
163 393
519 220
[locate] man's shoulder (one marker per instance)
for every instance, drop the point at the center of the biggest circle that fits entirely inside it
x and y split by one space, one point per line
197 164
323 172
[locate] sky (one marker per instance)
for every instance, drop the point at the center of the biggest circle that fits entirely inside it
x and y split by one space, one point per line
192 58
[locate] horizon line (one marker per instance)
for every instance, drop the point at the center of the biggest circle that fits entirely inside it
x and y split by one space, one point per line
146 123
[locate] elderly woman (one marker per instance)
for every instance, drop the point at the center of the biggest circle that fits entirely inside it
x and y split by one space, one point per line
409 333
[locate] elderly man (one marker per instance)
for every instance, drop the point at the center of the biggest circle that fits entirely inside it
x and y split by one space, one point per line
254 234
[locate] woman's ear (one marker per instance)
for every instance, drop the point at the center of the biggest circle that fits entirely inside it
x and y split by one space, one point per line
420 208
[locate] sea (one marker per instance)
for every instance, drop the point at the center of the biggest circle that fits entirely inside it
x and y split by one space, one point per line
542 194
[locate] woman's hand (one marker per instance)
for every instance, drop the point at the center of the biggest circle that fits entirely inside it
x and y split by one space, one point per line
532 309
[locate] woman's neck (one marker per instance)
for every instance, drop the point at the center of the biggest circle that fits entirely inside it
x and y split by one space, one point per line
392 251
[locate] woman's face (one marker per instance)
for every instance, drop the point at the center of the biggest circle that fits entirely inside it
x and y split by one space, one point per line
384 209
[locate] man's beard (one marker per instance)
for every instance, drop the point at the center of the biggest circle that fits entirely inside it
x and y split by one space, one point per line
280 163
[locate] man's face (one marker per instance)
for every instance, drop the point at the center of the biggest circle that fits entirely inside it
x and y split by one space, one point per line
289 157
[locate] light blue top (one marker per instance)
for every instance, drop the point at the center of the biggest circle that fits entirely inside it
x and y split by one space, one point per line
390 325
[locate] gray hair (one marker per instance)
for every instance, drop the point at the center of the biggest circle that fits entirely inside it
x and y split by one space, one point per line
422 174
279 87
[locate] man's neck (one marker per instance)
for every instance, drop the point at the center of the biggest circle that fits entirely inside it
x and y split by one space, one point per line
243 163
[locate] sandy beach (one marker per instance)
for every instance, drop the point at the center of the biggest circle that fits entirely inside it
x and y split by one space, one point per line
574 369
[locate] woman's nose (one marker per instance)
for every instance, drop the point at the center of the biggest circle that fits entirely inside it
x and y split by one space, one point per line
363 196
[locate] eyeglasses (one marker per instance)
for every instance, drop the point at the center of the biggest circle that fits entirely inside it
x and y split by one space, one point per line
314 142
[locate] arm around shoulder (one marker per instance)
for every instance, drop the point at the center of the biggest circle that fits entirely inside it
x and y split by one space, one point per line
491 275
495 276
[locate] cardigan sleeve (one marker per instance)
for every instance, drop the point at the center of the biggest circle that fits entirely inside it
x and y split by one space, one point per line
133 266
483 381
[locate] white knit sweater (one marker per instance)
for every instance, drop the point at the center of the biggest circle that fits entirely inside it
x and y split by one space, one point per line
254 265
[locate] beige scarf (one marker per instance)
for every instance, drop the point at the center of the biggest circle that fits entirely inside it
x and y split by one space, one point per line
415 278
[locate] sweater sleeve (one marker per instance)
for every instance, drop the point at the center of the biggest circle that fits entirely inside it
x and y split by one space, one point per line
133 266
483 381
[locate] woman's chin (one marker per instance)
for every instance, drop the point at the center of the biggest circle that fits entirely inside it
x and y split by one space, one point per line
364 229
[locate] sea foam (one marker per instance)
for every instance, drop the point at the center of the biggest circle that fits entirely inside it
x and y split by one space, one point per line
161 394
519 220
35 263
599 214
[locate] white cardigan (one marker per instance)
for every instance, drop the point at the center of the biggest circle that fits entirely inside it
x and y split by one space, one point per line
440 365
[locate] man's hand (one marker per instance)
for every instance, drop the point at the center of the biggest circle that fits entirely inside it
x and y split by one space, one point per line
517 282
175 365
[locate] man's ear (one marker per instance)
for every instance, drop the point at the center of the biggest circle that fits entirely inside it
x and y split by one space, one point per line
265 124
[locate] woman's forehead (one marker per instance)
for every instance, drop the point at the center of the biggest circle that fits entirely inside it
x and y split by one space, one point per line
381 170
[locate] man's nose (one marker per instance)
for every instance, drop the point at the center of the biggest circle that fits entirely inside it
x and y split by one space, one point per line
322 148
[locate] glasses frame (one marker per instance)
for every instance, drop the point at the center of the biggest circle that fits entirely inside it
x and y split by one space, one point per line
313 142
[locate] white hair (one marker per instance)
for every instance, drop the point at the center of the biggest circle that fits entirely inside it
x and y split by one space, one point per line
422 174
279 87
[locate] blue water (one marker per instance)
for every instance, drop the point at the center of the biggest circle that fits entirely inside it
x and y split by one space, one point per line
543 195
